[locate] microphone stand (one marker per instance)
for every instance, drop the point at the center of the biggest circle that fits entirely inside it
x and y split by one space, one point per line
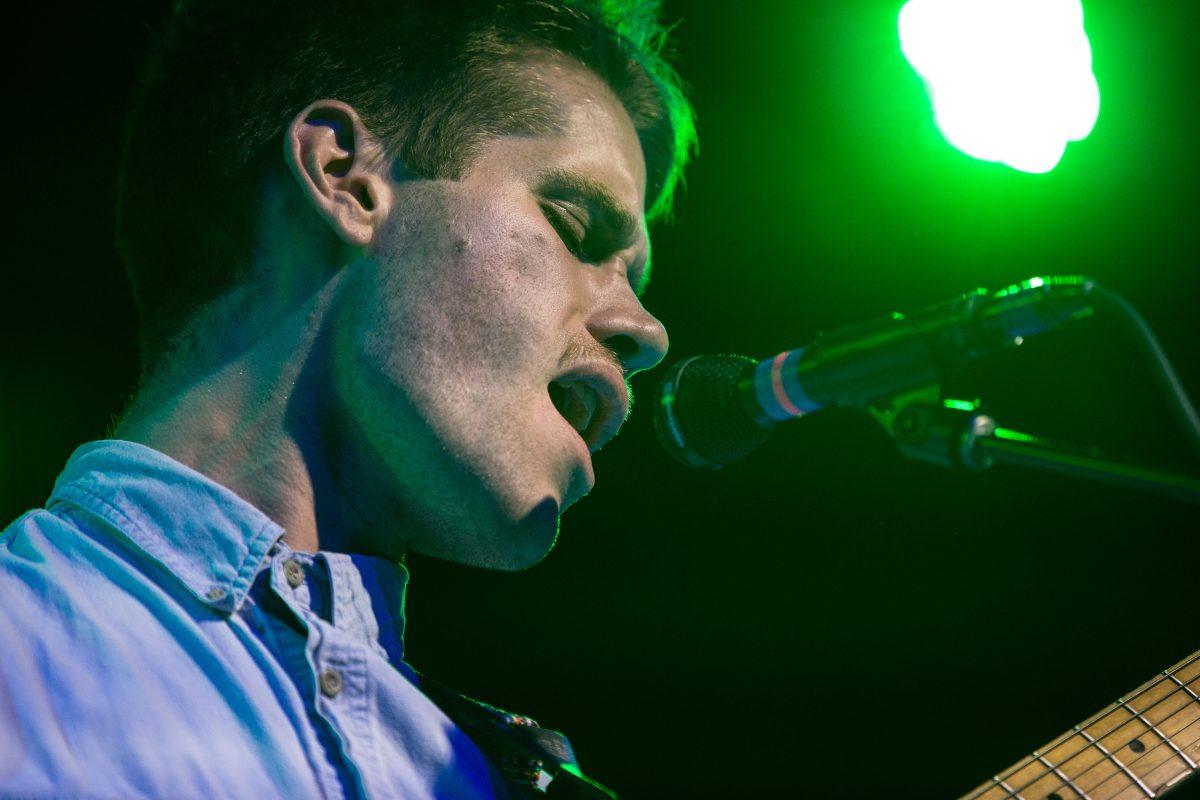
953 433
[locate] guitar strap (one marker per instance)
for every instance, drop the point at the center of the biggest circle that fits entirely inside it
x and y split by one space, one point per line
526 754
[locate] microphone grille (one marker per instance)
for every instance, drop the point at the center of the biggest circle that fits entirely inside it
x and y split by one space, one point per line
700 418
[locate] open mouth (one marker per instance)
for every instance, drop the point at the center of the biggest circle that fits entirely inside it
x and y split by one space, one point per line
593 398
576 402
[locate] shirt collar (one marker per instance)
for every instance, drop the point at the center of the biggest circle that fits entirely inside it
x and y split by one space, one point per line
210 539
204 535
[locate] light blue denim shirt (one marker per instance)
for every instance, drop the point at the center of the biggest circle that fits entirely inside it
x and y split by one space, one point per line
159 640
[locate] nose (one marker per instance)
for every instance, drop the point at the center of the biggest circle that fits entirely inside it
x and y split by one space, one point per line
622 324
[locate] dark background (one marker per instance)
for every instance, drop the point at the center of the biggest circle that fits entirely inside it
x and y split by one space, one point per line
822 619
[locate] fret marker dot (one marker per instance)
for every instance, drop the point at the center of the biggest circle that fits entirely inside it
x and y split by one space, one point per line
1054 796
1137 746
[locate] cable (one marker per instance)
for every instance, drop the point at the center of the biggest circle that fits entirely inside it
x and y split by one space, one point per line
1152 351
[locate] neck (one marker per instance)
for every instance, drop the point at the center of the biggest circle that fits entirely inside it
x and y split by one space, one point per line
251 420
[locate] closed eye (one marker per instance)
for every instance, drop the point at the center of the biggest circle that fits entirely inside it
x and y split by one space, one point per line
572 230
589 246
592 223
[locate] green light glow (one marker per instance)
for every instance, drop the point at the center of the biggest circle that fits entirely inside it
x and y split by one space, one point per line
1037 283
1010 80
1015 436
958 405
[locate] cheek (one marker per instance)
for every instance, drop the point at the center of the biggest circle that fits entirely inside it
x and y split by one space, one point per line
492 296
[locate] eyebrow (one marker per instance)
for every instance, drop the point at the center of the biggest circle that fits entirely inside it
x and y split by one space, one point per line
623 223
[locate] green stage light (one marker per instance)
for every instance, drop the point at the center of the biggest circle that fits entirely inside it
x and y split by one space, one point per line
1010 80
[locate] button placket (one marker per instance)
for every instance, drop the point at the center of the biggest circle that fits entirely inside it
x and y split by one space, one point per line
344 699
334 661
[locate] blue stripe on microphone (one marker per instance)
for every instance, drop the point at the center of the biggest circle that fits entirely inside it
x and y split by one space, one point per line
791 384
778 389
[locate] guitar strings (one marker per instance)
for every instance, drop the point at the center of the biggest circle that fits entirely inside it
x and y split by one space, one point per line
1004 775
1117 772
1055 743
1147 754
1154 682
1015 792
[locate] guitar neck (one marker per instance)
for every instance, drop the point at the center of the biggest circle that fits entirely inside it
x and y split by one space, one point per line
1143 745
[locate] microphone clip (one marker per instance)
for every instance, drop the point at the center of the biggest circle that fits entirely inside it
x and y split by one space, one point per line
956 434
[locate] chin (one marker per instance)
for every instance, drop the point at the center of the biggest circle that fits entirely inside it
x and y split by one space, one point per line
532 539
506 544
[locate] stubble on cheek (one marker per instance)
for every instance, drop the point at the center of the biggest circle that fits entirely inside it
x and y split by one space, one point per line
465 287
461 328
447 335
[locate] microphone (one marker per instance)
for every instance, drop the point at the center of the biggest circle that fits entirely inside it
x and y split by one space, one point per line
715 409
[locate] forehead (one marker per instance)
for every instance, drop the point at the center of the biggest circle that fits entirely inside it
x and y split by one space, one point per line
595 139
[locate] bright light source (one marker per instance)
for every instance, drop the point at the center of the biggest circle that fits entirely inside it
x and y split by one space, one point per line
1011 80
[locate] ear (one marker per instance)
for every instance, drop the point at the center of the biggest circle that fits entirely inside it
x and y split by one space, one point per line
338 164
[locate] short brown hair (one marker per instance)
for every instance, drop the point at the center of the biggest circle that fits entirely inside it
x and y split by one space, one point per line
430 78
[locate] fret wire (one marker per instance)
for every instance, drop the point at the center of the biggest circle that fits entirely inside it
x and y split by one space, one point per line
1181 776
1104 714
1097 718
1011 791
1165 739
1145 755
1169 783
1096 743
1078 730
1061 776
1183 686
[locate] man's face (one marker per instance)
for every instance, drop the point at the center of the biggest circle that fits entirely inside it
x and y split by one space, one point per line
481 347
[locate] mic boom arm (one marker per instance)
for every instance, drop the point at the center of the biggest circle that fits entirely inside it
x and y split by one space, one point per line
716 409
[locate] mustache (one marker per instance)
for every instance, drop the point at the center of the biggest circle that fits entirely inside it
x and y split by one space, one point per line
588 351
582 352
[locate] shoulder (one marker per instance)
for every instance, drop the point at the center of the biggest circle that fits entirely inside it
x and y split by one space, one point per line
38 550
69 593
46 623
70 586
52 563
43 536
83 616
94 638
33 523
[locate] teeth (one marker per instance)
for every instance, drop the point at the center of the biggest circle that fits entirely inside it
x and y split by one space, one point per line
575 401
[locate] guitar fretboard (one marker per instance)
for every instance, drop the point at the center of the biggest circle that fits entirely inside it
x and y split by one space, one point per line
1143 745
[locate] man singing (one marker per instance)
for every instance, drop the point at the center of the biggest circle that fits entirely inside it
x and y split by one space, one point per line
387 257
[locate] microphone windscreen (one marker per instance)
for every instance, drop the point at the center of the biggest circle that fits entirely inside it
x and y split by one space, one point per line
700 418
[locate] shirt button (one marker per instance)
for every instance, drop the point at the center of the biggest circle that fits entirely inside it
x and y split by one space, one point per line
216 594
293 572
331 682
